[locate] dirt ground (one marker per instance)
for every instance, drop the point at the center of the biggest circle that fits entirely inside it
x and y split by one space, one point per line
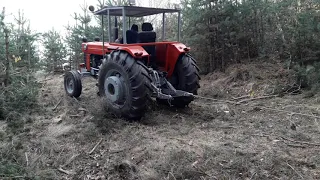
275 137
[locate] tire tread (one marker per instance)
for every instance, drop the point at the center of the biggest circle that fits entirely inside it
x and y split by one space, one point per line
139 83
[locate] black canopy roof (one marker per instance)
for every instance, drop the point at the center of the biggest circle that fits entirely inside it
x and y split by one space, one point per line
133 11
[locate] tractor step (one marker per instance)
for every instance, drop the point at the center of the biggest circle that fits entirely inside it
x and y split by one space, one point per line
178 95
182 94
164 90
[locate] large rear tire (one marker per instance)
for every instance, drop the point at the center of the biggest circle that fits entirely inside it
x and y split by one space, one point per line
72 83
126 85
186 78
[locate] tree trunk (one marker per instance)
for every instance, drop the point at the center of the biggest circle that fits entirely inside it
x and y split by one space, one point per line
6 80
211 61
29 63
263 46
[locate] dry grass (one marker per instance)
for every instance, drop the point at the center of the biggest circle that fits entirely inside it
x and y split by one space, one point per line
249 79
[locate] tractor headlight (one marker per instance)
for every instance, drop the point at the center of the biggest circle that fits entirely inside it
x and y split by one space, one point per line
85 47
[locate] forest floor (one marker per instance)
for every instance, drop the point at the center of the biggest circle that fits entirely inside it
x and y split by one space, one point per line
251 137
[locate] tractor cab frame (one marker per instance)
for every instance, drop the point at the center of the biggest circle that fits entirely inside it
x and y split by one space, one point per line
134 11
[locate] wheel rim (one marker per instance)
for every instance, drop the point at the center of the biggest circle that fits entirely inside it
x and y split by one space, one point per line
70 85
114 88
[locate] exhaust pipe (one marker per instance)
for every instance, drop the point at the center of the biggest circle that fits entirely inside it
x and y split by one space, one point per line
115 29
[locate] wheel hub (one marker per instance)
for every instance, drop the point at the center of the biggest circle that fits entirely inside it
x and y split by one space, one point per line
113 89
70 85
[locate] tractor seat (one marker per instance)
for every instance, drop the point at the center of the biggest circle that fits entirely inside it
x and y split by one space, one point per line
132 36
147 35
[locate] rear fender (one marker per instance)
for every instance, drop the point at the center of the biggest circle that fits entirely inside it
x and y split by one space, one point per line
137 52
174 51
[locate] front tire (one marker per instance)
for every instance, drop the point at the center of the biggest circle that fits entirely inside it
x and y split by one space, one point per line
125 83
72 83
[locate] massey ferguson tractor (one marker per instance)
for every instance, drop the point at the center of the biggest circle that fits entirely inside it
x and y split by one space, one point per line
136 69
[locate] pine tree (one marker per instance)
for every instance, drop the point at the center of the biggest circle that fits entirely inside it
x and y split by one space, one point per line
54 50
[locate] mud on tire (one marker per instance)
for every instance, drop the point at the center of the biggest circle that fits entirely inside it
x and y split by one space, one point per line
72 83
135 85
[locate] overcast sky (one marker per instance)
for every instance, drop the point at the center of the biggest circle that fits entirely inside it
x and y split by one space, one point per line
45 14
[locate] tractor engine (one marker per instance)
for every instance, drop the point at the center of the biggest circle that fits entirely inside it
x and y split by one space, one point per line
95 61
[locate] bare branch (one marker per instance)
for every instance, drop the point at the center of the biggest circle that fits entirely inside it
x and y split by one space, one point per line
95 146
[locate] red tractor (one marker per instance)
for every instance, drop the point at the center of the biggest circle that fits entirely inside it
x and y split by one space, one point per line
137 68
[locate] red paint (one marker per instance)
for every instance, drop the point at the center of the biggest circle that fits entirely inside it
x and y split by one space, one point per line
167 53
161 51
88 62
173 52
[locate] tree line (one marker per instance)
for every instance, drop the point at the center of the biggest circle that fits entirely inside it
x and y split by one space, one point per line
220 32
224 32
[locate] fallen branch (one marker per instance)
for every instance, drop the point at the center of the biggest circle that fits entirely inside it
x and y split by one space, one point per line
35 160
44 80
95 146
290 112
300 142
15 73
12 177
212 99
316 122
296 146
301 106
27 160
86 118
187 142
200 170
293 145
76 115
251 99
70 160
253 175
237 98
66 171
295 170
55 107
76 100
116 151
